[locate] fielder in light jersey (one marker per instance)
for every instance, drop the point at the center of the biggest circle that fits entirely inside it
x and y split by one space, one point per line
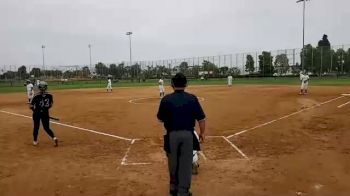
304 78
161 88
30 90
109 85
229 80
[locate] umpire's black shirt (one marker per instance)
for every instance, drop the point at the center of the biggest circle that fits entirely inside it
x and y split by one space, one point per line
179 111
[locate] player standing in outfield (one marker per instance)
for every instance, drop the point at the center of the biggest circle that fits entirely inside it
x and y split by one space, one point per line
304 78
109 84
30 90
161 88
40 105
229 80
179 111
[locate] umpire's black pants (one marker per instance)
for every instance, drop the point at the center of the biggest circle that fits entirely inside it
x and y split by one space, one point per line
45 120
180 161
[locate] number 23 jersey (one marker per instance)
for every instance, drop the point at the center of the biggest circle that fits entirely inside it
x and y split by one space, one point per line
42 102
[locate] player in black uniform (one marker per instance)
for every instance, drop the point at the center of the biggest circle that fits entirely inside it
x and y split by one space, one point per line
40 104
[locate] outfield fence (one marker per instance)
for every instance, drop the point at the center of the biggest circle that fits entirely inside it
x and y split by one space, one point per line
320 61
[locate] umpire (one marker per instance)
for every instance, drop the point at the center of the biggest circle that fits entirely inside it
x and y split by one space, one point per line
179 111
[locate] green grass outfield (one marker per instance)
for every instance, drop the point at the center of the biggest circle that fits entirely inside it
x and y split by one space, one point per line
5 86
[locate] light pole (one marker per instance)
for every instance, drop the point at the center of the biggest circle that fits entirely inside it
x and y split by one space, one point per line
90 54
129 34
43 50
303 57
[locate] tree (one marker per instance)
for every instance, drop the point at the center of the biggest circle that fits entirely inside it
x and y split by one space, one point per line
113 70
265 64
347 62
210 67
135 70
36 72
323 55
309 58
235 71
282 64
223 71
183 67
324 42
249 65
22 72
101 69
86 71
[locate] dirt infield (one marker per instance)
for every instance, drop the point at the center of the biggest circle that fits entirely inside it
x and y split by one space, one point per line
265 140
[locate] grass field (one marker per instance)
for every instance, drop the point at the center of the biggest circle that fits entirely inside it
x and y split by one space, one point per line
7 87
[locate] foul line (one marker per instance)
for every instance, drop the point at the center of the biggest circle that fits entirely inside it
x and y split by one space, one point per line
283 117
340 106
74 127
235 147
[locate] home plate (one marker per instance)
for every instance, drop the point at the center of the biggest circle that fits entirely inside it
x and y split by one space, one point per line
345 94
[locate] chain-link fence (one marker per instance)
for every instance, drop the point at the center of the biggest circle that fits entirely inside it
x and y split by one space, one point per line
320 61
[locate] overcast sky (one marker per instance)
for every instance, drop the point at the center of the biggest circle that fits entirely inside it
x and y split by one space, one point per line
161 28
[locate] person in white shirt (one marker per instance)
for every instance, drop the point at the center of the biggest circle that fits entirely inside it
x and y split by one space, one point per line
161 88
229 80
30 90
109 85
304 79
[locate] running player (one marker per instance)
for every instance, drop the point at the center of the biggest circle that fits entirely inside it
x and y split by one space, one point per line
40 105
109 84
30 90
161 88
304 78
229 80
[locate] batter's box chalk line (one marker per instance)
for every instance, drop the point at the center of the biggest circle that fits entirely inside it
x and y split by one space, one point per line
125 158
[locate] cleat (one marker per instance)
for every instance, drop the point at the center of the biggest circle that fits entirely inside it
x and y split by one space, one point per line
35 143
55 142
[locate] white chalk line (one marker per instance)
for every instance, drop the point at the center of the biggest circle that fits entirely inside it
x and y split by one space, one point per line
342 105
283 117
235 147
71 126
125 158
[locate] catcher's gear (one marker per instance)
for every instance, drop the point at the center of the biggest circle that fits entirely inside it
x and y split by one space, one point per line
42 86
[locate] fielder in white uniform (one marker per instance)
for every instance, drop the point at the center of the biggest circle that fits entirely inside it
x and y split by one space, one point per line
30 90
109 85
161 88
304 79
229 80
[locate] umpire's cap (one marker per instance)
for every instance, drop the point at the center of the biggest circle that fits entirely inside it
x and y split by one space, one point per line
179 80
42 86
